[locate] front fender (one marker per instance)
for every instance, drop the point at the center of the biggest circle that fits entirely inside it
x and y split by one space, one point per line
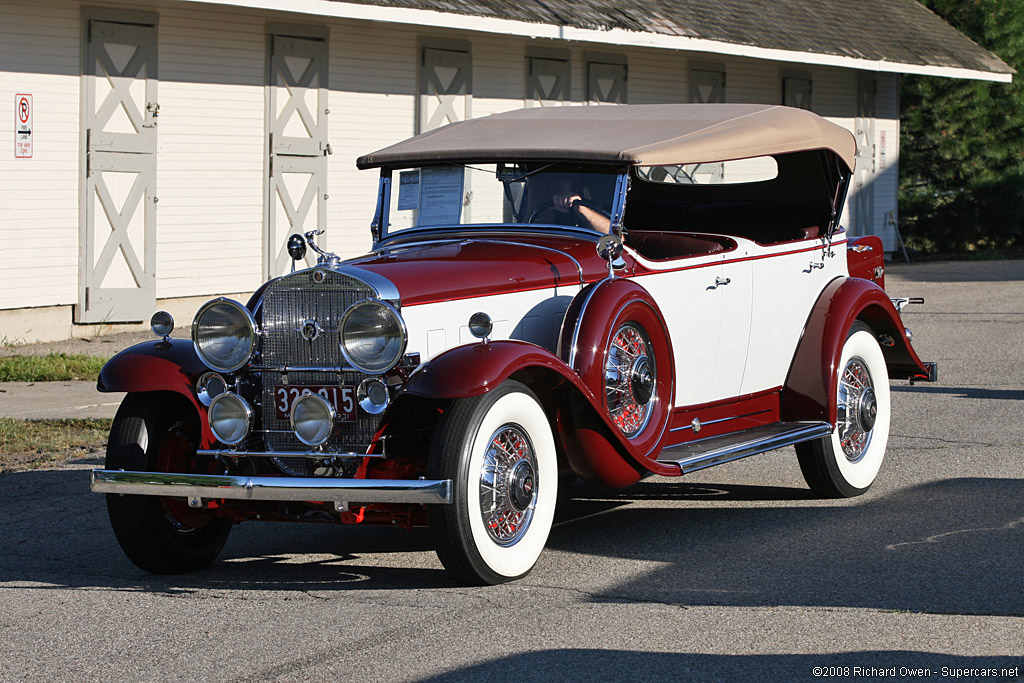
810 389
593 447
158 365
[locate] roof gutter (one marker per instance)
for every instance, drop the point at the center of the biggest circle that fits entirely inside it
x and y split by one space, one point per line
420 17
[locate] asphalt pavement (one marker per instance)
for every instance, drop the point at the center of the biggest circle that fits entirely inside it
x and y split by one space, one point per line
733 573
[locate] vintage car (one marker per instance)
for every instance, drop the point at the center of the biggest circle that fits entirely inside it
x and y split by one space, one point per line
606 292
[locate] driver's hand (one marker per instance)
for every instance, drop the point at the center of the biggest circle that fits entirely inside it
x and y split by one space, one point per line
563 202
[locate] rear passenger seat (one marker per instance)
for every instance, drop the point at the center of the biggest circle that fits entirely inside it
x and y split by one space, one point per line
763 222
659 246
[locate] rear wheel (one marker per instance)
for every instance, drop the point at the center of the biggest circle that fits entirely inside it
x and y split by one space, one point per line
846 463
160 535
498 451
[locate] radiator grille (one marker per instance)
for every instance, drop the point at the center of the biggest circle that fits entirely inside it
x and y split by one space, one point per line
287 304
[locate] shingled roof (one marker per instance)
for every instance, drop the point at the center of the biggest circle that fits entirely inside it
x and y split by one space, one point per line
894 34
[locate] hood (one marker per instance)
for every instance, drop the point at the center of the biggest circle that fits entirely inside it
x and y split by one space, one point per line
474 267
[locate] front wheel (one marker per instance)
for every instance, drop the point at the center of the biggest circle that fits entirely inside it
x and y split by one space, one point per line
498 451
160 535
846 463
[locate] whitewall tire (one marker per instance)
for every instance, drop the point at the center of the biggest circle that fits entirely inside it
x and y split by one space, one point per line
846 463
499 452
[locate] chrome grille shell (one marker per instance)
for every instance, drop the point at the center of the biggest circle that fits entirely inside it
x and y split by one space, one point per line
320 294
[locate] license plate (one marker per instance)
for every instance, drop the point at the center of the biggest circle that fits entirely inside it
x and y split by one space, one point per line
342 397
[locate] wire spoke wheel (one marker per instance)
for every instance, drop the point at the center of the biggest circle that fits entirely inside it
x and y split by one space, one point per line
508 485
857 410
499 451
630 379
846 462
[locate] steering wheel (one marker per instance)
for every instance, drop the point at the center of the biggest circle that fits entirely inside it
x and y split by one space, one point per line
551 205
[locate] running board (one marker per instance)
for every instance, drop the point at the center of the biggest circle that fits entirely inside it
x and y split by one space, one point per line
696 455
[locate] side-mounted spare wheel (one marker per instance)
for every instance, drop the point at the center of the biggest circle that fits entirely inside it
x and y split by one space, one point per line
498 450
160 535
846 463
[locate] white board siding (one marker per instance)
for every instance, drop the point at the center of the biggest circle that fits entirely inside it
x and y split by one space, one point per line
211 136
211 163
39 54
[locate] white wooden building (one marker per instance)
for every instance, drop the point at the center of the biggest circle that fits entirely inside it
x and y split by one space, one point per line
160 152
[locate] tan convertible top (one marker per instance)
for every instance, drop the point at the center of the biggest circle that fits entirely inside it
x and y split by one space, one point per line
636 134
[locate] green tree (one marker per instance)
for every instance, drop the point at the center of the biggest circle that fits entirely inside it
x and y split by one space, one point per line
962 142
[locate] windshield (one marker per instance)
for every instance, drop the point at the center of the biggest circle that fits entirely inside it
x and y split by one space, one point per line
489 194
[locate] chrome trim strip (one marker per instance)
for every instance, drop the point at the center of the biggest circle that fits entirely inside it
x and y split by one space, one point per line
714 422
312 455
385 288
294 368
415 491
579 319
579 267
728 447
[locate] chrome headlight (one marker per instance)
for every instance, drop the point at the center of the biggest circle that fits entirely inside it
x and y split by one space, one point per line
230 418
224 334
312 419
373 336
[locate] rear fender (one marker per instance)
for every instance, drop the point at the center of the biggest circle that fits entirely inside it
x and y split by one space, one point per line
158 365
865 258
810 389
591 444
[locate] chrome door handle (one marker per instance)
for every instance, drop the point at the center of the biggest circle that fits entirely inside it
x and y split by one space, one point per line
722 281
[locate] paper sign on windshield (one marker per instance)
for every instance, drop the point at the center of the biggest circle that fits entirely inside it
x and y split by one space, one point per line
440 195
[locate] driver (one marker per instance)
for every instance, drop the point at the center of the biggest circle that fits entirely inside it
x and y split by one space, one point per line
557 193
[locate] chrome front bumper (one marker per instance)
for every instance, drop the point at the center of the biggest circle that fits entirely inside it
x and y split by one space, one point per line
196 487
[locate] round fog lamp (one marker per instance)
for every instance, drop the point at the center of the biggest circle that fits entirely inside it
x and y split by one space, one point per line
209 386
162 324
230 418
312 419
372 395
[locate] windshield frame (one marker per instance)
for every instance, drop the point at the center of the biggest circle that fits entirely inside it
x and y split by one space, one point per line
381 219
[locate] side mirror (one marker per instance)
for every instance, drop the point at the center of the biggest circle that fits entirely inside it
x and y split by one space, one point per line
609 248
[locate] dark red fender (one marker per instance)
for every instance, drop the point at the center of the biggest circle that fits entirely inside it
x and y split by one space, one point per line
810 389
171 365
601 309
865 258
594 447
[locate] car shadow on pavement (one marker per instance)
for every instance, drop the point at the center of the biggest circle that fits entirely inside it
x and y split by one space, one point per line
631 665
950 546
963 392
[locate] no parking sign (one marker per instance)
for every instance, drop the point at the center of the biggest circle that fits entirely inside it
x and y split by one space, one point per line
23 126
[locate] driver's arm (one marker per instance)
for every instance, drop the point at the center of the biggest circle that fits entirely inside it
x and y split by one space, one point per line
571 202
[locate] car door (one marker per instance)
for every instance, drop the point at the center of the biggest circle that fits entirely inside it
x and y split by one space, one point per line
690 299
787 280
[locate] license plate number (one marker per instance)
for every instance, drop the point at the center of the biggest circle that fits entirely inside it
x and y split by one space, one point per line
343 398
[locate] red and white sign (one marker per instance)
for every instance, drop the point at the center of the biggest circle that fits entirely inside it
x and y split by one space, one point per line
22 126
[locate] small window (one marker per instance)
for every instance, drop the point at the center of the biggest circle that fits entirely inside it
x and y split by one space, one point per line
755 170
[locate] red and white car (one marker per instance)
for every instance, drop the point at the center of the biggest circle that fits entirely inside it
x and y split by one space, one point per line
607 291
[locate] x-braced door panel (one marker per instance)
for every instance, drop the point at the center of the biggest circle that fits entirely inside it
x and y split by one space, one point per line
120 283
547 82
445 88
118 263
606 83
297 204
298 145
